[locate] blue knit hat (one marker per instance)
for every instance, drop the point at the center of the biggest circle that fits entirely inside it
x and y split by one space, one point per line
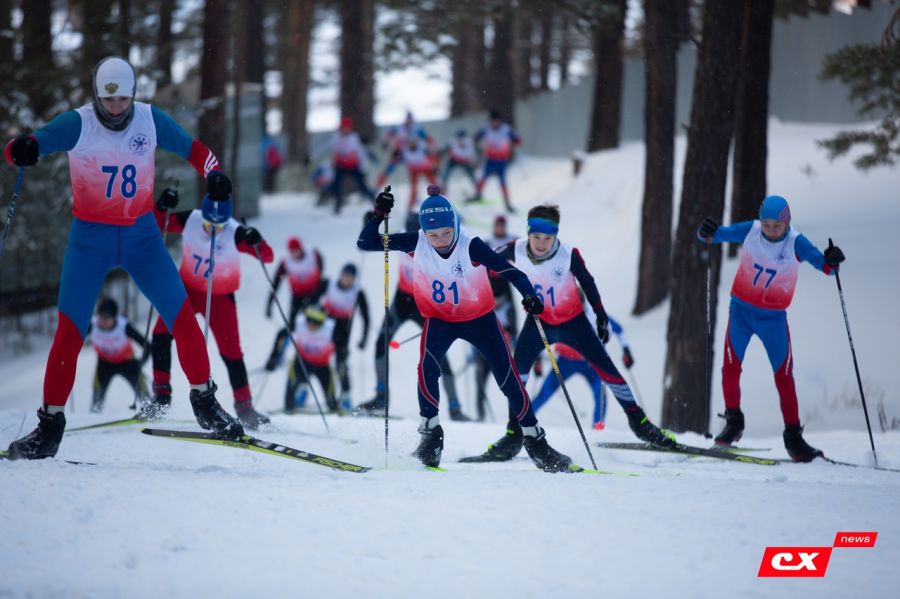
775 208
436 211
211 215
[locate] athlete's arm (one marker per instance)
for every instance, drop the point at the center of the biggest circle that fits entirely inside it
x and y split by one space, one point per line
480 253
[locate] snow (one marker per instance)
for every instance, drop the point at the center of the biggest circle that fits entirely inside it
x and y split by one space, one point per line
161 517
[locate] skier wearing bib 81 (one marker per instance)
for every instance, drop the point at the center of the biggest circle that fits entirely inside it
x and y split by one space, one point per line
111 143
763 287
454 295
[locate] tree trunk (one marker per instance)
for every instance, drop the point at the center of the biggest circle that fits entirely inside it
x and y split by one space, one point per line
357 64
751 113
37 53
467 68
524 49
6 31
96 29
565 48
546 13
164 48
501 71
608 66
659 122
123 29
295 78
253 50
685 405
214 75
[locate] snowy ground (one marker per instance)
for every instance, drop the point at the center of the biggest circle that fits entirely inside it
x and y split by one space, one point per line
159 517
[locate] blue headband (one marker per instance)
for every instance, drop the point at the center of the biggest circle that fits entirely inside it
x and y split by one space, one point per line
542 225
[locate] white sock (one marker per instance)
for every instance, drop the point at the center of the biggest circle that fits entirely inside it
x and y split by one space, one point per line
428 424
203 387
532 431
54 409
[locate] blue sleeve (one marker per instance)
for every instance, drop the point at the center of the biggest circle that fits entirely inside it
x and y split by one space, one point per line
59 135
807 252
480 252
735 233
170 136
370 240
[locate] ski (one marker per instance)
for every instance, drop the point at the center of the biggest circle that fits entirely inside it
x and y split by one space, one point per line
678 448
108 424
852 465
253 444
734 449
4 455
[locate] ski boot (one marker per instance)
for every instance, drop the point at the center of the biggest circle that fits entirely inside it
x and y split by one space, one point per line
42 442
158 407
544 457
456 413
374 407
734 427
249 417
505 449
211 416
346 404
797 447
645 430
432 442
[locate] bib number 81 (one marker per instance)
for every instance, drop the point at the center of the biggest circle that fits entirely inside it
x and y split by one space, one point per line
439 296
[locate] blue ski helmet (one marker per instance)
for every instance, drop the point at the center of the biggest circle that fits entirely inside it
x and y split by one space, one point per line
775 208
211 215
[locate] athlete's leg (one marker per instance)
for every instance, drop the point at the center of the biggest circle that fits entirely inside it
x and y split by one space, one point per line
437 337
102 377
737 337
776 337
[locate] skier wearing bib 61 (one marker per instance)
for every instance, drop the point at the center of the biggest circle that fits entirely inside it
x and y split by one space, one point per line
454 295
763 287
111 144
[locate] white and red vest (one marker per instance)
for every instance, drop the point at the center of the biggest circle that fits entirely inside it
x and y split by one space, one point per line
112 172
553 282
462 151
767 275
347 151
417 159
195 263
316 347
451 289
304 274
111 345
406 280
340 303
497 143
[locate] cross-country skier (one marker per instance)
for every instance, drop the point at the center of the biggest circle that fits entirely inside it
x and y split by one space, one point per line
557 270
314 334
111 335
303 270
403 308
452 290
111 144
763 287
419 163
496 141
349 158
396 139
232 239
341 299
571 362
460 154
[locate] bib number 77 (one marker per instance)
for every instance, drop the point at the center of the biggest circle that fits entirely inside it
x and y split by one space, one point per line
760 270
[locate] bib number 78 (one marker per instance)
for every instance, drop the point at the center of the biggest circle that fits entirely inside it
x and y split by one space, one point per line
128 185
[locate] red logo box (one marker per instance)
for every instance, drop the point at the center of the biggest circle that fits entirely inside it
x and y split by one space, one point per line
855 539
794 562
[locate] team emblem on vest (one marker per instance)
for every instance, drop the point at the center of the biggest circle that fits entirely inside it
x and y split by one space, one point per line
111 88
558 273
781 257
139 144
458 270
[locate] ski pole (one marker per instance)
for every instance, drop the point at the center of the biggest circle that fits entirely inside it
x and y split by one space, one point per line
211 272
708 380
562 383
632 382
385 240
397 344
862 395
12 207
287 328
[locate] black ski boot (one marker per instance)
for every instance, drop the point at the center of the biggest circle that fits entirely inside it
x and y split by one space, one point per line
249 417
645 430
734 427
42 442
458 416
374 407
432 442
797 447
211 416
505 449
544 457
158 407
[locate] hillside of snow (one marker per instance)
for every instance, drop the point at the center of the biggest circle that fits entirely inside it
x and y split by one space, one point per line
157 516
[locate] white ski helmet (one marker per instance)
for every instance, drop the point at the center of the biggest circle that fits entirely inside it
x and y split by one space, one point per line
113 77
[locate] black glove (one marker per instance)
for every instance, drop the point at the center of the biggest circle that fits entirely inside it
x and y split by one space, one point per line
23 150
833 255
602 325
707 229
168 199
532 304
384 203
627 358
247 235
271 363
218 186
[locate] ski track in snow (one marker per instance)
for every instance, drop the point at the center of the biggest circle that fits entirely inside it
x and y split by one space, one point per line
160 517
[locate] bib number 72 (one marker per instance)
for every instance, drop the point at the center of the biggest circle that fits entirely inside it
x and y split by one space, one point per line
760 270
201 260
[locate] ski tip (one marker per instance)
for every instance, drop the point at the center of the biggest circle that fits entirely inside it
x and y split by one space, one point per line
435 469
